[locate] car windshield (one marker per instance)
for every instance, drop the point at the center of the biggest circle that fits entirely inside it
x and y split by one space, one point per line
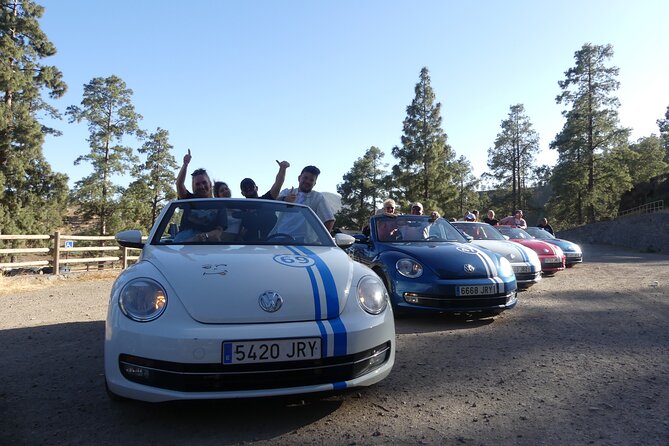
479 231
414 228
514 233
213 221
540 233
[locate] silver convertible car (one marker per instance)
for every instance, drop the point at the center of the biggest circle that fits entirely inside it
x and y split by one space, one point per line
244 298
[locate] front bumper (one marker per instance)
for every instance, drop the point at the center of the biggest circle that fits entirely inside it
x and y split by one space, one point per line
153 363
441 297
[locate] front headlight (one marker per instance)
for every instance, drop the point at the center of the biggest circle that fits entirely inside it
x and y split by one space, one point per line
505 268
409 268
372 295
142 300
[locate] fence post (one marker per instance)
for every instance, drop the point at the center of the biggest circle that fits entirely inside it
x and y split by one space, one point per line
124 257
56 253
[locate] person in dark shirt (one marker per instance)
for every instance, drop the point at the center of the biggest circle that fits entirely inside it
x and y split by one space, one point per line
250 189
543 224
490 218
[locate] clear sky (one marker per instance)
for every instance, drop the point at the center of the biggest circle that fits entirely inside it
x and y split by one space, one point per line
244 83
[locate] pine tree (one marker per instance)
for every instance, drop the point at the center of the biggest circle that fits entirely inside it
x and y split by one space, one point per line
647 160
581 178
108 109
466 196
361 189
33 197
423 171
663 124
511 160
154 184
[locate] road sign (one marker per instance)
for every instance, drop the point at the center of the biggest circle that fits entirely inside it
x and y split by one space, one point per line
69 243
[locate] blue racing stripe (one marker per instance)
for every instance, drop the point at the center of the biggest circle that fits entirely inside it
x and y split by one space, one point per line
317 305
332 302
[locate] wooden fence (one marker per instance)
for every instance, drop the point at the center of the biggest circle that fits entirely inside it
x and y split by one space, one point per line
62 251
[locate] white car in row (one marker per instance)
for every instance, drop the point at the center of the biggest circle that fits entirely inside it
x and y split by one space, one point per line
244 298
524 261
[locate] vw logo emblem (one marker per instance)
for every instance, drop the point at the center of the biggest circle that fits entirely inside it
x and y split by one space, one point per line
469 268
270 301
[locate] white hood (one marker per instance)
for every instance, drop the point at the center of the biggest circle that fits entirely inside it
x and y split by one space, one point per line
514 253
223 284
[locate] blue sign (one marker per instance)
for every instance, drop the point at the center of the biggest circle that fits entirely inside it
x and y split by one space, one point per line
69 243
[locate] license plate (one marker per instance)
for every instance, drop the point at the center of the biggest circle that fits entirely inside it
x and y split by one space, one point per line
572 254
271 350
522 269
476 290
553 260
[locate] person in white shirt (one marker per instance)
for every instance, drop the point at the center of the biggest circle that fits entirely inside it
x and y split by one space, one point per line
307 196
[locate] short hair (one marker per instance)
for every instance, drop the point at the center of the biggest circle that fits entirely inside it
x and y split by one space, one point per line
312 170
199 171
389 201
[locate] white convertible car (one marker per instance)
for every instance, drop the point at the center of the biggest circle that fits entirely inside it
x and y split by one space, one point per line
244 298
524 261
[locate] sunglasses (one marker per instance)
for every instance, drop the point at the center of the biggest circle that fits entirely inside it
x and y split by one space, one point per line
390 208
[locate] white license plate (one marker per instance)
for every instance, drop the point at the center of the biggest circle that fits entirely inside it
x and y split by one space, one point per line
476 290
271 350
522 269
572 254
553 260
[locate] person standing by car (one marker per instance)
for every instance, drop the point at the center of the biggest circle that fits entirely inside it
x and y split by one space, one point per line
250 189
543 224
307 196
201 181
490 218
516 220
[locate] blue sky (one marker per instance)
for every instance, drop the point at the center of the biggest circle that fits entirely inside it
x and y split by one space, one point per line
244 83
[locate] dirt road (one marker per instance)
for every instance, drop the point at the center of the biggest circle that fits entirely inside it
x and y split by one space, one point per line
583 359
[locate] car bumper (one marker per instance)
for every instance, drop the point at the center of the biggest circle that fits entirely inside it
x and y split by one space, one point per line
145 363
525 280
441 298
572 258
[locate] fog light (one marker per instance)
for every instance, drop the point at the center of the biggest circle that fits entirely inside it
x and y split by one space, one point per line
411 298
135 371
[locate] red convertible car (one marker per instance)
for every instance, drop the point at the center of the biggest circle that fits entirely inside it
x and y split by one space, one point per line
551 256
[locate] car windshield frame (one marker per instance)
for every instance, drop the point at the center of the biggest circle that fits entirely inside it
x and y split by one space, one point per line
268 219
479 231
545 235
409 228
511 232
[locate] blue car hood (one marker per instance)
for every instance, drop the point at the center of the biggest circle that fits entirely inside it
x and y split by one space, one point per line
448 260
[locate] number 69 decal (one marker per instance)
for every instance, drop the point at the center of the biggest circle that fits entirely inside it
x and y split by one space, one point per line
293 260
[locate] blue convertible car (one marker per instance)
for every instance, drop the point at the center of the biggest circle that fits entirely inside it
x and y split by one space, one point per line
428 265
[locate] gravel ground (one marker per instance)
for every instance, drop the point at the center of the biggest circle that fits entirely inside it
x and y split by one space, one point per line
582 359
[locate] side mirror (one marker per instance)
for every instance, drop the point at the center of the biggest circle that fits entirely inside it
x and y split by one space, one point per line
506 237
130 239
344 240
469 238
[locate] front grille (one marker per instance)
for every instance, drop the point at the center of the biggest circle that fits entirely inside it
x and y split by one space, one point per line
462 303
522 277
220 378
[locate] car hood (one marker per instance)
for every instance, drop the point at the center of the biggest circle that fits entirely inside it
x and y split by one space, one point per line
226 284
565 245
448 259
514 252
540 247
